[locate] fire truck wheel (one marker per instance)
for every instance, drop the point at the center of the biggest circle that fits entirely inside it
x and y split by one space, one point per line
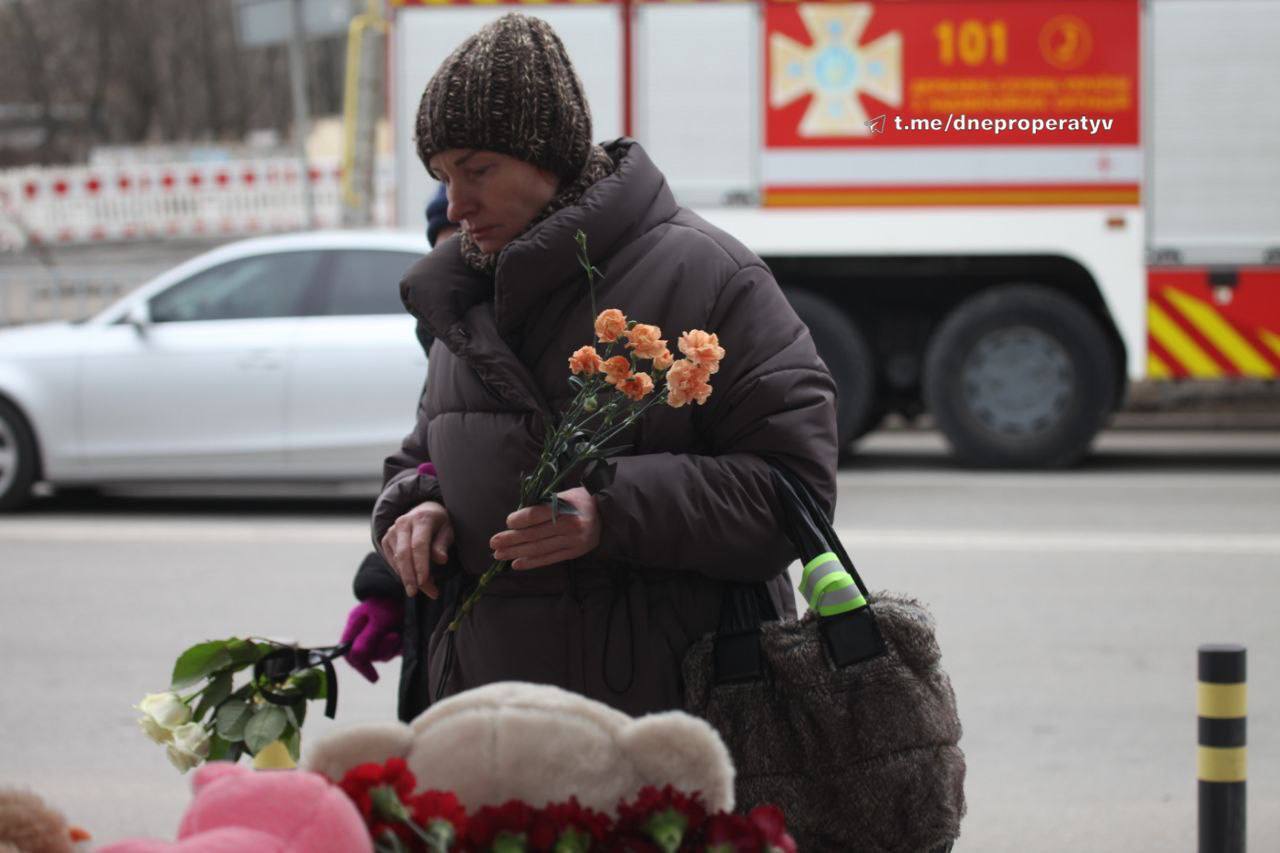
841 344
17 458
1020 376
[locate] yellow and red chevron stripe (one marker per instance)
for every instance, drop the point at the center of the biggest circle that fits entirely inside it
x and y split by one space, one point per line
1212 324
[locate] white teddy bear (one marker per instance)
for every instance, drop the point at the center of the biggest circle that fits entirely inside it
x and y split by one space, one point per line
539 744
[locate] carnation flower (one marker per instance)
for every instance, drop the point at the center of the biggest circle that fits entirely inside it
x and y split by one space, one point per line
702 349
438 805
687 381
644 339
360 784
772 824
636 386
611 325
585 360
663 360
513 818
567 825
616 369
666 816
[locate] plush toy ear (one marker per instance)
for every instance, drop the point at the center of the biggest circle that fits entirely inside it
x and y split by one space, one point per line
674 748
215 770
339 751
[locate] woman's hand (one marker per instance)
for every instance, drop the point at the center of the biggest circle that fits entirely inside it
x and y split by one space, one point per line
421 535
532 540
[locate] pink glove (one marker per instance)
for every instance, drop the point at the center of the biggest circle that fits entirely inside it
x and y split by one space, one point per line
373 630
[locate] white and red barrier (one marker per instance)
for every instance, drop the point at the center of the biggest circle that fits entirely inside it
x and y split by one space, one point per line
147 202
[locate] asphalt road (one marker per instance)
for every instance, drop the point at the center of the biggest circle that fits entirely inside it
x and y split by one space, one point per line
1069 605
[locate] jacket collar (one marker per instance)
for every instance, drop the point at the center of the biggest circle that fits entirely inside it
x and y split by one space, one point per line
440 289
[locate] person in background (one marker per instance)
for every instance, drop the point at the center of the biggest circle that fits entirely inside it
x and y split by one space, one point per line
377 627
605 600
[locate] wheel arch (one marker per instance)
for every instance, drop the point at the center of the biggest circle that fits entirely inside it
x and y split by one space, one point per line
899 301
25 413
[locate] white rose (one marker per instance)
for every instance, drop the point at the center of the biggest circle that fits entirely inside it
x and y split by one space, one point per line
154 730
166 709
190 746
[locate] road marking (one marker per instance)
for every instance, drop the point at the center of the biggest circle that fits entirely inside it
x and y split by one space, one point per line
59 531
55 531
1081 541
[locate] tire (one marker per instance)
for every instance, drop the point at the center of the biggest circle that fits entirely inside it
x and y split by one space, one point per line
844 349
18 463
1020 377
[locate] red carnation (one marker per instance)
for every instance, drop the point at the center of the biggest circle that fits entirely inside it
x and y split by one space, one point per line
555 820
733 833
772 824
667 817
513 817
430 806
359 784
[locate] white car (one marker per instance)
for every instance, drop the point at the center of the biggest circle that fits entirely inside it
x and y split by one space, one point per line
279 360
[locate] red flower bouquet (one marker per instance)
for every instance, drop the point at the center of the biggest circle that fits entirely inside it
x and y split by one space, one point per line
656 821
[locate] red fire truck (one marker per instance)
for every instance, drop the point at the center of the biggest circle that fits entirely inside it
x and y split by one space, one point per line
999 211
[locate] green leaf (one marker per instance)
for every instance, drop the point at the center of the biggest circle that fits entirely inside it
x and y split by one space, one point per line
243 652
265 726
200 661
311 683
293 742
219 689
219 749
231 720
576 381
297 713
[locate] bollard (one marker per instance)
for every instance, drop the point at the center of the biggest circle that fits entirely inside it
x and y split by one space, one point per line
1220 756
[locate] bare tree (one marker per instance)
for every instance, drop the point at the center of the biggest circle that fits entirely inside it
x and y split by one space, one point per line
92 72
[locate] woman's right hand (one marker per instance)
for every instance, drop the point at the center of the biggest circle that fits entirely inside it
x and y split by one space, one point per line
420 536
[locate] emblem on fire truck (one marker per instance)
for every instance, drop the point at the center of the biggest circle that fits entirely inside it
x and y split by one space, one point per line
835 69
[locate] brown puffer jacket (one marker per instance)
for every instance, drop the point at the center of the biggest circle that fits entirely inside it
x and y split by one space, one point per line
689 506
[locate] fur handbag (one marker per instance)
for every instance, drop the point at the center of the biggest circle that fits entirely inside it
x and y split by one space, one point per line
844 718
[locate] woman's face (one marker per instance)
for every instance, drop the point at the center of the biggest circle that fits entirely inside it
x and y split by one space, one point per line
492 196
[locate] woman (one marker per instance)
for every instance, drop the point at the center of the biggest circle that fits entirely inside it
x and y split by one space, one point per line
605 601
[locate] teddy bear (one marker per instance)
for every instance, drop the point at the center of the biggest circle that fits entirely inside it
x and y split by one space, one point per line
29 825
539 744
239 810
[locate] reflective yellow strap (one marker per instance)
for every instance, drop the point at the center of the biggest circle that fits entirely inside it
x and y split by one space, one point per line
839 580
825 557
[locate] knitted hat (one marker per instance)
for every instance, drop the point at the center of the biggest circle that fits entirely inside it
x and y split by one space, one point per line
509 88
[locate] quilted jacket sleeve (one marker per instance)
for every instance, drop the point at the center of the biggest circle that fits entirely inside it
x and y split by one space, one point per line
403 487
717 512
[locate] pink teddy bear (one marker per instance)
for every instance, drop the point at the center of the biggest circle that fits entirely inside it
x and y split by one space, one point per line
238 810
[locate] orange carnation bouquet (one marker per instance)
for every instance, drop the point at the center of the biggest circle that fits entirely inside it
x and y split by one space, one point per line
613 392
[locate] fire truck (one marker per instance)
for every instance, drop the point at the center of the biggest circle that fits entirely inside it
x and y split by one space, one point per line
999 212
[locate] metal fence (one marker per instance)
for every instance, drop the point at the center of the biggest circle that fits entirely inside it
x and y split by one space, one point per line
87 204
42 209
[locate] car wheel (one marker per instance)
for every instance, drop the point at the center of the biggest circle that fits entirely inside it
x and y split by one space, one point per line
1020 376
844 349
17 458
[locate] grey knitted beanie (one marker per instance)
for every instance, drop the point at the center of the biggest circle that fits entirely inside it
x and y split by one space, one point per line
509 88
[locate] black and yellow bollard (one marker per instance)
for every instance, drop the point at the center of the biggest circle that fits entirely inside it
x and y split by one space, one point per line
1220 757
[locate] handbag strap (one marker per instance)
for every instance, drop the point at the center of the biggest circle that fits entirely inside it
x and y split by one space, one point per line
829 582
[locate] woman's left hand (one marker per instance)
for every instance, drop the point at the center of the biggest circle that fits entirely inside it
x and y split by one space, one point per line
532 540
